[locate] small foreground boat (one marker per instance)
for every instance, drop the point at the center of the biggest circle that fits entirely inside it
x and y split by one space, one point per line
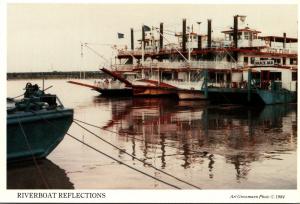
36 124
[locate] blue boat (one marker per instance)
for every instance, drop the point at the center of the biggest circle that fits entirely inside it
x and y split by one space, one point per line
36 124
256 90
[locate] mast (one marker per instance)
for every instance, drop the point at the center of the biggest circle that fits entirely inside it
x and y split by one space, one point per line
209 33
189 54
161 39
132 39
143 49
183 35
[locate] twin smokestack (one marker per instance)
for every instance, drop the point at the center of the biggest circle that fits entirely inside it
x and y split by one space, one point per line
184 39
161 39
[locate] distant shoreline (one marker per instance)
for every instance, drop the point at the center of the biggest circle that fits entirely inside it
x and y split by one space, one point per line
56 75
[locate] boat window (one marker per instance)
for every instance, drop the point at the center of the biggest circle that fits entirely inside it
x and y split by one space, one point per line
239 36
275 76
220 77
276 60
256 76
246 60
252 60
294 76
246 34
251 36
293 61
166 75
212 77
284 61
228 58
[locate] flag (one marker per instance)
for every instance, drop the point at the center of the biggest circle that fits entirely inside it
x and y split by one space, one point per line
146 28
120 35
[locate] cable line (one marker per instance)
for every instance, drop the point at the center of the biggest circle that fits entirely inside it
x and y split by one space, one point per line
128 133
136 157
119 161
33 157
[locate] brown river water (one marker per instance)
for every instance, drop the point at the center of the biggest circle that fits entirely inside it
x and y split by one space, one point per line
209 146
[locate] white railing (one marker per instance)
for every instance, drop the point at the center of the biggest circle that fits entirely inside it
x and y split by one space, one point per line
258 43
194 65
196 85
291 48
280 50
134 52
173 65
109 84
215 65
123 67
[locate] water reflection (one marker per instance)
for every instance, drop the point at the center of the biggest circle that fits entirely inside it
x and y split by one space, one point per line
46 175
195 133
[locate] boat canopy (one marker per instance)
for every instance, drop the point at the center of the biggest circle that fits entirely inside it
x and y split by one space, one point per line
278 39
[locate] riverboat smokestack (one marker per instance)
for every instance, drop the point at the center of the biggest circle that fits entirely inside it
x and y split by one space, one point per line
209 33
235 36
235 31
143 35
161 39
199 42
184 35
132 39
284 40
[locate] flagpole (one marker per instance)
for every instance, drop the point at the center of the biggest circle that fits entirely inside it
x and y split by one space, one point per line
143 58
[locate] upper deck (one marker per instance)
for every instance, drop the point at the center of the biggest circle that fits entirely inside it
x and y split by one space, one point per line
241 40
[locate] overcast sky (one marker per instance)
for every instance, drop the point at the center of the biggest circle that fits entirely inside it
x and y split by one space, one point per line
46 37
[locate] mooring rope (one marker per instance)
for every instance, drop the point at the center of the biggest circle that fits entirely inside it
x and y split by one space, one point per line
119 161
136 157
33 157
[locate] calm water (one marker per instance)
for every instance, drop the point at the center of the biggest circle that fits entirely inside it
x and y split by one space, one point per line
213 147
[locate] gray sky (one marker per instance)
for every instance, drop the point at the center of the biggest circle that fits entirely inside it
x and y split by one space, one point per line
46 37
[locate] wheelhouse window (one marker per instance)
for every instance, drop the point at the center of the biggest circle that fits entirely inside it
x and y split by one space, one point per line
252 60
246 59
246 35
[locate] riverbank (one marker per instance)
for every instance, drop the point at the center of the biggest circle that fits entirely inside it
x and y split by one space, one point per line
56 75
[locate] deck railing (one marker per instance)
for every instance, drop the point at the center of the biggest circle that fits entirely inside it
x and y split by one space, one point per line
192 65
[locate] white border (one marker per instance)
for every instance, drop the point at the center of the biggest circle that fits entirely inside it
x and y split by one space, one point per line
133 196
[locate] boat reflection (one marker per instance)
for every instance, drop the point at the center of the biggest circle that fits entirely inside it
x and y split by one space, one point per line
46 175
195 132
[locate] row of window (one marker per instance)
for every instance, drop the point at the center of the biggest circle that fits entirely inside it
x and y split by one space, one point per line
265 75
293 61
